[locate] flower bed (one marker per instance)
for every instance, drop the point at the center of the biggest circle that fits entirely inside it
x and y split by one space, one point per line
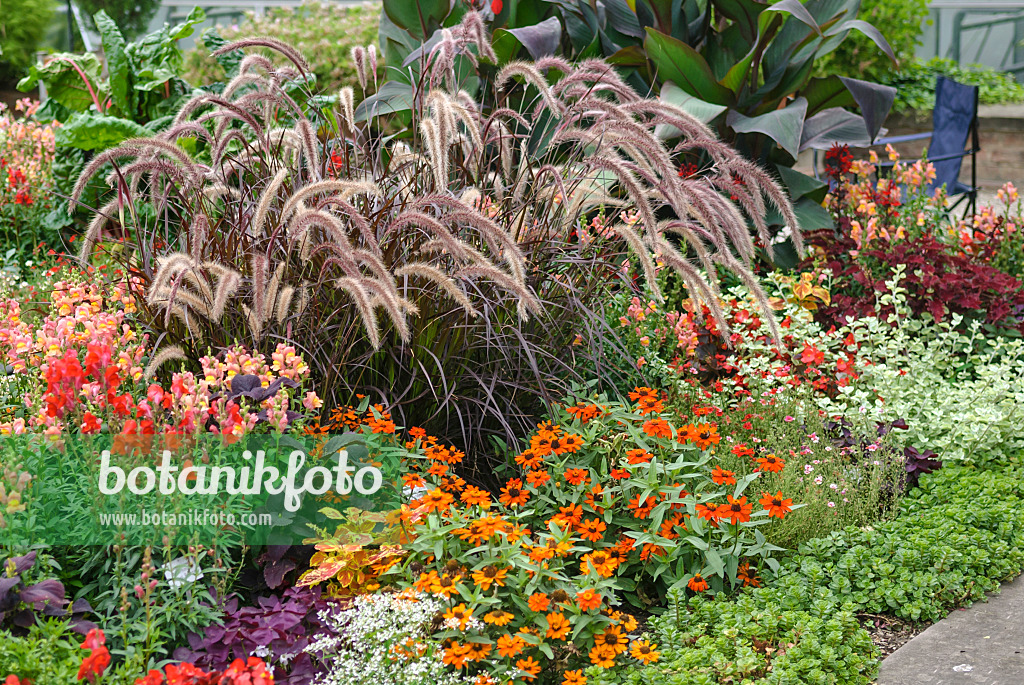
602 441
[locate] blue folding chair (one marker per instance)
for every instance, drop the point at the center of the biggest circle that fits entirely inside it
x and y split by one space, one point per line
954 119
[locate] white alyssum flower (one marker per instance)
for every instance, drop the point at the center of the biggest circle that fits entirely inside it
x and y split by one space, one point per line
384 640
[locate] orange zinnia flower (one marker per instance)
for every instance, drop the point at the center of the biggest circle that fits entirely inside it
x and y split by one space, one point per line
723 477
770 463
574 678
426 581
558 626
538 478
707 435
613 639
697 583
737 510
460 614
435 500
571 443
588 600
592 529
538 602
644 651
489 575
638 456
498 618
602 657
510 645
708 511
477 650
596 493
569 516
585 412
577 476
529 459
599 562
648 400
657 428
444 586
626 621
413 480
748 575
513 495
642 510
473 495
456 654
528 666
776 505
437 470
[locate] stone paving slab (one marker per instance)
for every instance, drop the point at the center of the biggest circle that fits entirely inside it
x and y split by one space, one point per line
981 644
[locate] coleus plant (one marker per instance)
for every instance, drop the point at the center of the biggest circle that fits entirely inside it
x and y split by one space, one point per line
22 603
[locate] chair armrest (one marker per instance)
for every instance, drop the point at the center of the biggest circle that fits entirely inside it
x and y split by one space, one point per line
903 139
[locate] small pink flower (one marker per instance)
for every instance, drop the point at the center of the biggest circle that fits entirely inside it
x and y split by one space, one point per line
311 401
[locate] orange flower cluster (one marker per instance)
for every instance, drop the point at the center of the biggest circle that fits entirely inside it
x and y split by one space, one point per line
527 569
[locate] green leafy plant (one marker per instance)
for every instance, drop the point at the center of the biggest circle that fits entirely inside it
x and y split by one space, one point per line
49 653
759 638
858 56
957 537
142 88
22 26
915 83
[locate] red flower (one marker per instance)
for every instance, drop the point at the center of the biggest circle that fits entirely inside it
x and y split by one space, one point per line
90 423
812 355
838 160
496 6
98 659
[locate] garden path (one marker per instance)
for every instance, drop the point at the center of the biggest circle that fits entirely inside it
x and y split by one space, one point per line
983 643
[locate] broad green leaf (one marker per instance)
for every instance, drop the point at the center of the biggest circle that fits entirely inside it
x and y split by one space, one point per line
823 93
715 562
186 28
677 62
799 12
420 18
118 66
98 132
704 111
868 30
784 126
392 97
65 76
744 14
798 185
874 101
834 125
540 40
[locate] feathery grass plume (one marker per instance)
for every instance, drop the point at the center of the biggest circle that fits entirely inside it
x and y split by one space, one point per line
529 73
459 249
166 354
441 280
358 54
346 105
275 44
371 56
436 152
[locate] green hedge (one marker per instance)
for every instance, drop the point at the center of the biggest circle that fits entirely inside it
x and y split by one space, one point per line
957 537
